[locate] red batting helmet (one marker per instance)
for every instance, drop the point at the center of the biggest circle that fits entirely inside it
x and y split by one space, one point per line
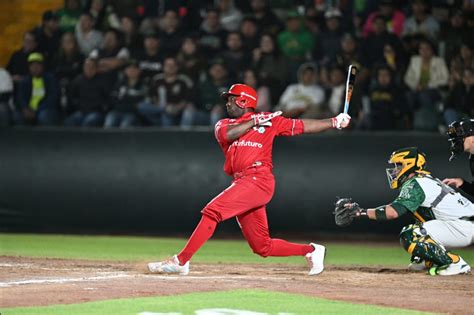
246 97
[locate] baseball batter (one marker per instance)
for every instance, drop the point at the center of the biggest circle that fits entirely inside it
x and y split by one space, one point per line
246 140
461 137
444 218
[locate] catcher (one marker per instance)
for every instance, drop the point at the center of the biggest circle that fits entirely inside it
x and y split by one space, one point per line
444 218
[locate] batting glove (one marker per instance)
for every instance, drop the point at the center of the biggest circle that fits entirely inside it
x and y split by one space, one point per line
341 121
264 119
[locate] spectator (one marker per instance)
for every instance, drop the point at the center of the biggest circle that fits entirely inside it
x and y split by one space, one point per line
112 56
69 15
48 36
336 91
373 46
271 66
305 98
395 61
393 19
230 16
6 91
264 103
150 59
18 64
267 20
89 97
421 23
425 75
460 103
104 15
328 42
129 92
87 37
295 42
171 36
38 95
211 34
132 39
250 34
190 60
170 94
67 64
386 101
464 60
210 108
235 57
454 35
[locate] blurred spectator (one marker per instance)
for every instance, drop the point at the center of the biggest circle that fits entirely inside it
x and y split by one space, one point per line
425 75
387 106
373 46
421 23
210 107
264 103
305 98
230 16
395 61
48 36
87 37
69 15
18 64
132 40
170 93
6 91
328 42
104 15
170 35
89 97
250 33
113 55
38 95
453 35
271 66
150 59
267 20
393 18
235 57
295 42
129 92
460 103
190 59
211 34
67 64
464 60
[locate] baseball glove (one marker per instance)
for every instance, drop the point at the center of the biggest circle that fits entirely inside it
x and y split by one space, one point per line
345 211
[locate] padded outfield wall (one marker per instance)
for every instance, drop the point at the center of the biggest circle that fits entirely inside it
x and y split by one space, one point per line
157 181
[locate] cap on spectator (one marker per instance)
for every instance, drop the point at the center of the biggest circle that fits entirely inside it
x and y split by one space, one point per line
457 12
293 15
50 15
333 13
151 34
35 57
133 63
347 36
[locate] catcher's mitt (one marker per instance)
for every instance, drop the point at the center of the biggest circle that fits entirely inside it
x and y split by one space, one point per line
345 211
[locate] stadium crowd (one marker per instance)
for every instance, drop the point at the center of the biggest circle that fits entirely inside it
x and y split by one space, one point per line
123 63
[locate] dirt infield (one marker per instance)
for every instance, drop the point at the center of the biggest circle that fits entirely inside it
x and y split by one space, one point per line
34 282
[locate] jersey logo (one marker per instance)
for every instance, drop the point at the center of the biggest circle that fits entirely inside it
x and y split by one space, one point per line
261 129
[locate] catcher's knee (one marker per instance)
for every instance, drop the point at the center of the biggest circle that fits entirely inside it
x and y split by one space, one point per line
410 235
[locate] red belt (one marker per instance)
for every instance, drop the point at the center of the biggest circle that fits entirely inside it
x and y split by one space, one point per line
254 168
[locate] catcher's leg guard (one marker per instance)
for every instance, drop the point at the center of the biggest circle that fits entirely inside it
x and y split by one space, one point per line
418 243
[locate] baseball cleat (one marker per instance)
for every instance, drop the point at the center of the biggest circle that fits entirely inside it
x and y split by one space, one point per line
316 259
169 266
461 267
420 266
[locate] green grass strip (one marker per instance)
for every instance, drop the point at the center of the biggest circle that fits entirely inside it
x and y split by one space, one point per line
249 300
215 251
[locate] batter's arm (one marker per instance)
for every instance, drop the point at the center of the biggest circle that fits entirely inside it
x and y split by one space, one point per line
235 131
317 125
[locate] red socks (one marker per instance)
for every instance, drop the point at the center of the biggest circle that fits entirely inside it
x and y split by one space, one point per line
201 234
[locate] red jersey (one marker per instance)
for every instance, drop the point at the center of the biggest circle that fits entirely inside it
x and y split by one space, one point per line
255 146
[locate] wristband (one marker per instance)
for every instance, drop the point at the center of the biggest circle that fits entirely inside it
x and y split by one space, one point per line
380 214
362 212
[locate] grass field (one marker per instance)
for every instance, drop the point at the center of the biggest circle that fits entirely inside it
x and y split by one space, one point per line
130 249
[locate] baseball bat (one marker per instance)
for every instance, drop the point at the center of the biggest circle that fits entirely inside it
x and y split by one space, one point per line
351 75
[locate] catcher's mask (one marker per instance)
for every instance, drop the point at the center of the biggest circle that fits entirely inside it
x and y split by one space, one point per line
405 161
246 96
457 132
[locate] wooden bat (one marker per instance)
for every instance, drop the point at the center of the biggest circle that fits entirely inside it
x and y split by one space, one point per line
351 75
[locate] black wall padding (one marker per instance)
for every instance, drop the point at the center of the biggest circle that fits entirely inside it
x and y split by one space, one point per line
156 181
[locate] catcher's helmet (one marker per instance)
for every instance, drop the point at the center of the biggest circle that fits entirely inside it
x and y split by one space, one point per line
457 132
405 161
246 96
